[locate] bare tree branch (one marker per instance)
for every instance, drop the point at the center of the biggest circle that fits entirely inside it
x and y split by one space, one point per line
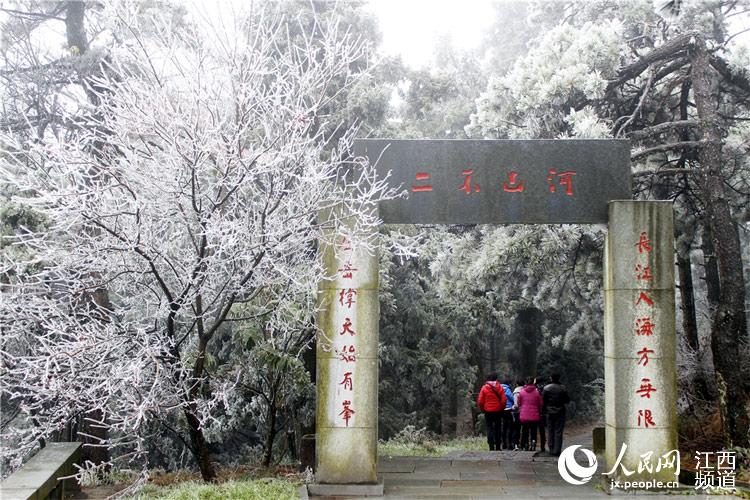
666 147
637 135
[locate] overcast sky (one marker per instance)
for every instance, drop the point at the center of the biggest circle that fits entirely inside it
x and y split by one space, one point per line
411 27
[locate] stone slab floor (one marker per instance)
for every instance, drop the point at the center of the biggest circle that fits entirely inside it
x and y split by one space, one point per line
485 475
476 475
473 475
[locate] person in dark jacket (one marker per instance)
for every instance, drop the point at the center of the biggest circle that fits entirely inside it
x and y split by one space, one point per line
555 398
491 401
539 383
507 417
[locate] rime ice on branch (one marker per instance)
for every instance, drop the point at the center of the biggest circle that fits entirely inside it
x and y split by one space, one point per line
198 208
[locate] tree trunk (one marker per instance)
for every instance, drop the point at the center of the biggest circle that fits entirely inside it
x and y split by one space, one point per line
493 350
268 452
711 269
75 29
307 432
527 332
197 439
729 325
687 300
464 421
662 191
701 385
91 428
199 445
448 408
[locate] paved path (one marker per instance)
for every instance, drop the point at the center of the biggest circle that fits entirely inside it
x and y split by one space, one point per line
484 475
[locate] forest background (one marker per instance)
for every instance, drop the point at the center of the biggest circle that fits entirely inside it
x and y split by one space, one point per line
235 384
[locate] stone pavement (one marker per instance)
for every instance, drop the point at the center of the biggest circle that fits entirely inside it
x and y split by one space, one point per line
498 474
485 475
476 475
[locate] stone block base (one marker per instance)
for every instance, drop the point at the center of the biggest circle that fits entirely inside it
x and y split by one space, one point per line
345 490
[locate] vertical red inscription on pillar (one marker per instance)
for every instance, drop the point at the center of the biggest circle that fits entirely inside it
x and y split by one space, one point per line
643 353
346 299
347 272
645 418
347 328
644 244
347 382
644 326
646 388
346 296
347 412
348 354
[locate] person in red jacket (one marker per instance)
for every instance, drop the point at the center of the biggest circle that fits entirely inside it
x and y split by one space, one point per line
491 401
530 403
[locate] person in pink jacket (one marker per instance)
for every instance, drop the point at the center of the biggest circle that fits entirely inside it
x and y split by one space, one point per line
530 403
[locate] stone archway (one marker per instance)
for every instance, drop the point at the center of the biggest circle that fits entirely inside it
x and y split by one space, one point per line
498 182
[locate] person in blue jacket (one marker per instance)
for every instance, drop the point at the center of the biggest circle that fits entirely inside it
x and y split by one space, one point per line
507 417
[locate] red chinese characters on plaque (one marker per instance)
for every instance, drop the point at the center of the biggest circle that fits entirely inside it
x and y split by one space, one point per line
514 185
512 182
564 179
422 187
466 186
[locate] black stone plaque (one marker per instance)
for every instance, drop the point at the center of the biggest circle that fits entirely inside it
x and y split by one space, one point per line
501 182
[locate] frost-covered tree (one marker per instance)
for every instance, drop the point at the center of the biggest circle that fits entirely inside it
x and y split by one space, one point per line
432 345
438 100
555 271
440 343
674 82
50 52
199 209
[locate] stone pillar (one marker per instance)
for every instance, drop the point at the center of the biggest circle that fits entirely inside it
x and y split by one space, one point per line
347 367
640 339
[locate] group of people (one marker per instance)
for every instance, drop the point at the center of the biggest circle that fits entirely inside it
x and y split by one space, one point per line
514 416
